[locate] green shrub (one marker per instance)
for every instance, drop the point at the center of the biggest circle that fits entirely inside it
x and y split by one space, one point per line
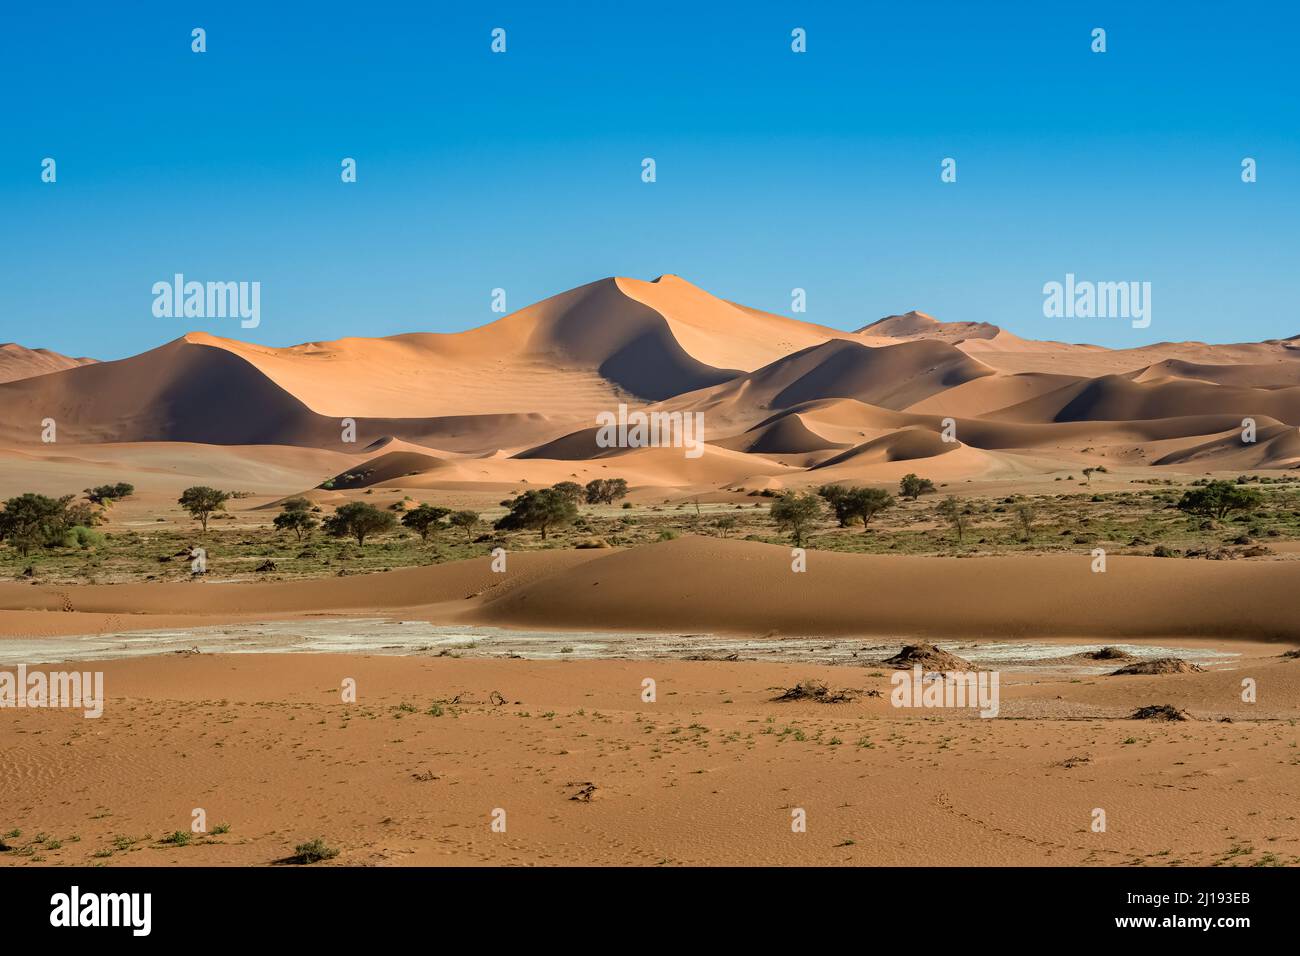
313 851
82 537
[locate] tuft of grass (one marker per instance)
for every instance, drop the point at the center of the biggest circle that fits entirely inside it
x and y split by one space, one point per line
313 851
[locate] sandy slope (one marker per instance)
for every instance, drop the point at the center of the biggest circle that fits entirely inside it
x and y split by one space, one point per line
17 362
721 333
711 584
160 470
515 401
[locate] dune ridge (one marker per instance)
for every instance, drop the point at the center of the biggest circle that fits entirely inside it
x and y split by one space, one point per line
730 586
516 400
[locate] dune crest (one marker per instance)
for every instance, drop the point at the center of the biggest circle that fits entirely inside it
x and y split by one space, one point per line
517 399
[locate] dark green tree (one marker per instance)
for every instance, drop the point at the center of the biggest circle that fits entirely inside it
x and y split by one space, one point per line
913 487
296 516
34 521
866 503
796 513
605 491
201 501
538 511
467 521
425 519
359 520
1218 499
572 490
837 496
102 494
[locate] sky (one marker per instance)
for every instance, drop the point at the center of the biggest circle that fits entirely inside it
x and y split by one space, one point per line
522 170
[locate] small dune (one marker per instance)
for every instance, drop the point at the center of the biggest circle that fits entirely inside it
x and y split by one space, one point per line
1161 665
929 657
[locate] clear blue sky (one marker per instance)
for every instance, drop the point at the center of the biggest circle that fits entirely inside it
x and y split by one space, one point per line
522 170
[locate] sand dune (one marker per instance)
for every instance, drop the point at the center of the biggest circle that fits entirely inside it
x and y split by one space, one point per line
1117 398
389 466
720 333
904 445
711 584
18 362
919 325
1283 373
988 394
193 391
515 401
1113 398
892 377
786 434
160 470
1093 361
697 583
1275 446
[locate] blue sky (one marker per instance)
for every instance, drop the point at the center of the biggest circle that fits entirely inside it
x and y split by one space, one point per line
522 170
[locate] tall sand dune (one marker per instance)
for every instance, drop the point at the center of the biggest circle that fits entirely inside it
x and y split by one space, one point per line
17 361
516 400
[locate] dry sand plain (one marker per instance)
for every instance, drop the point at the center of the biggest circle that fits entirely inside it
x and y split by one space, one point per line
589 774
710 772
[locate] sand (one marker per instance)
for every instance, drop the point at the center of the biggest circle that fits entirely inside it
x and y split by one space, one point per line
728 586
516 399
17 361
708 774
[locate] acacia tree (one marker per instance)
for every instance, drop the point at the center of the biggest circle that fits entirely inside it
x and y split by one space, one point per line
837 496
851 504
954 512
866 503
360 520
467 521
104 494
538 511
1218 499
605 491
201 501
912 487
1024 512
571 490
296 516
425 519
796 513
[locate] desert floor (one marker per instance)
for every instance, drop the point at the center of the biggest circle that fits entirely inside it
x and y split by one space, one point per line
588 773
521 692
